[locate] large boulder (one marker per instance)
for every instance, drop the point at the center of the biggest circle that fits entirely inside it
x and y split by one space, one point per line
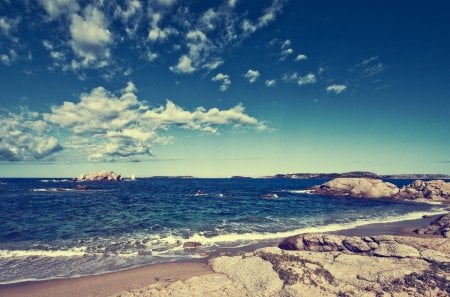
358 187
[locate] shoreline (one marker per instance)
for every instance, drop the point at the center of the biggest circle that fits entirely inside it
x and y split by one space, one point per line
134 278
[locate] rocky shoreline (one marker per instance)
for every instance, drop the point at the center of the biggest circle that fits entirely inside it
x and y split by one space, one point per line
325 265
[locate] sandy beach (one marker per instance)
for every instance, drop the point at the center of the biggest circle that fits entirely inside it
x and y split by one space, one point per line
116 282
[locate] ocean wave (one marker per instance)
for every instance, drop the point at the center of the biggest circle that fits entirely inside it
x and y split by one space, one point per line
261 236
299 191
55 180
52 190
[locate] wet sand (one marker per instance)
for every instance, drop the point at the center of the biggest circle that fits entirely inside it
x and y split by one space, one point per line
112 283
106 284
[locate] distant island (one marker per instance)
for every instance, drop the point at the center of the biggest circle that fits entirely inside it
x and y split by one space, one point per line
356 174
108 175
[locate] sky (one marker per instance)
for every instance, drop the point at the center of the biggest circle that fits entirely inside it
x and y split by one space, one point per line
222 88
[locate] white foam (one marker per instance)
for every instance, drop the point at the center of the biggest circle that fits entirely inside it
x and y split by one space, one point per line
75 252
300 191
252 237
52 190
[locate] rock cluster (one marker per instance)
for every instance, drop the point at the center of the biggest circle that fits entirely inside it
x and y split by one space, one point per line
99 176
440 226
434 190
437 190
324 265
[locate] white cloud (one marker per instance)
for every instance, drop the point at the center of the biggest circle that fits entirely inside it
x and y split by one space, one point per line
232 3
202 119
224 79
198 56
209 19
374 69
156 33
300 57
24 137
270 83
108 127
184 65
8 24
369 67
252 75
151 56
165 2
55 8
286 52
133 7
337 89
131 16
310 78
290 77
9 57
90 38
286 44
269 15
213 64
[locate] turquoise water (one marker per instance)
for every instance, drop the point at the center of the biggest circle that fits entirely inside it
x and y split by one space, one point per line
48 230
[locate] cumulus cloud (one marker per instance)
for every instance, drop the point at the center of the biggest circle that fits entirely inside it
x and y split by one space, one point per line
110 128
300 57
252 75
337 89
90 38
224 79
55 8
270 83
310 78
184 65
24 137
202 119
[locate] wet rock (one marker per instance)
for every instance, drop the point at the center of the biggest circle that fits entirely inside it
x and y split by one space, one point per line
191 244
440 226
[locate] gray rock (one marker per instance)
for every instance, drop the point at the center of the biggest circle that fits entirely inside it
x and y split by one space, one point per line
438 190
99 176
440 226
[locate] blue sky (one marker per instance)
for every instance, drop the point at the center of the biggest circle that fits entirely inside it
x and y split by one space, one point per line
221 88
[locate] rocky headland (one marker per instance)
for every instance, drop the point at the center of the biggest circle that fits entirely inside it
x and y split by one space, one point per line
434 190
108 175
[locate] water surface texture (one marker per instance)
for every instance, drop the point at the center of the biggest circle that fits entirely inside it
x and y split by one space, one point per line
49 230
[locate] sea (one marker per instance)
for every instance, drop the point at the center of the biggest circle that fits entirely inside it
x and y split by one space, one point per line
50 230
